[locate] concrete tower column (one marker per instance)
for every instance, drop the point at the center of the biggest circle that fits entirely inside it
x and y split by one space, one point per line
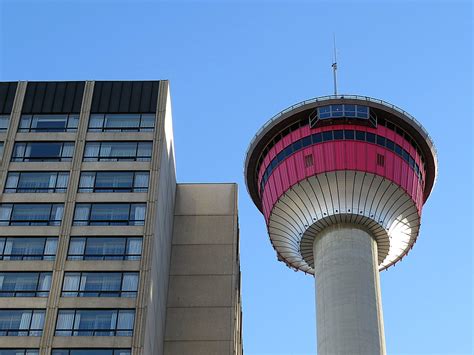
348 301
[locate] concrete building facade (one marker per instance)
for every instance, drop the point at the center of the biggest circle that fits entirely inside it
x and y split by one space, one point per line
101 251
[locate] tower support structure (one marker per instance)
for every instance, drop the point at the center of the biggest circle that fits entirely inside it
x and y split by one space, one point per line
349 310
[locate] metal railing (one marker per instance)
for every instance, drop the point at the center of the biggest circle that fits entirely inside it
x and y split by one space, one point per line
24 293
100 293
37 222
34 189
21 332
94 332
27 256
113 189
104 256
109 222
121 129
119 158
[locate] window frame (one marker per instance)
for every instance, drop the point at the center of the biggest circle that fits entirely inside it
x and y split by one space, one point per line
109 222
54 189
21 331
73 331
70 117
42 256
36 222
104 128
95 189
37 292
111 158
125 255
119 293
60 157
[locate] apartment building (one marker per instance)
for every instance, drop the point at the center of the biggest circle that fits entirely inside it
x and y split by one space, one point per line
101 251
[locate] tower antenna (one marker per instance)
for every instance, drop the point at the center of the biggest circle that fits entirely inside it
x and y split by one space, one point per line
334 66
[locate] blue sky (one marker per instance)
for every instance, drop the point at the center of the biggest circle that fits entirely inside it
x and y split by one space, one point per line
232 65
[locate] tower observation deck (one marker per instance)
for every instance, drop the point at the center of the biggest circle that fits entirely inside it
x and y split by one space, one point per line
341 182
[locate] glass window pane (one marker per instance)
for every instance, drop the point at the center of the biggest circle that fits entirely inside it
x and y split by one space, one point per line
141 181
110 212
12 181
360 135
73 121
4 122
76 248
19 150
25 122
338 134
44 150
86 182
137 214
103 247
121 181
68 150
49 123
148 120
31 212
122 121
81 213
144 150
91 150
96 122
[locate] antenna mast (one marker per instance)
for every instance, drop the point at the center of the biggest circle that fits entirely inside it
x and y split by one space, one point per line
334 67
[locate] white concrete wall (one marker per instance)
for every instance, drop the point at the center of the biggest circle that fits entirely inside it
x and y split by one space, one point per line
348 308
160 240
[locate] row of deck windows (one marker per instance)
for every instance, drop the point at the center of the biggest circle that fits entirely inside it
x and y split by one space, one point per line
70 122
80 248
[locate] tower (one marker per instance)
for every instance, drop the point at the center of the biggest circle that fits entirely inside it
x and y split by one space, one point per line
341 181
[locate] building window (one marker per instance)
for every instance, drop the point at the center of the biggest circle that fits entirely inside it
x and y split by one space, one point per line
21 322
43 151
100 284
25 284
1 150
114 181
4 122
49 123
51 181
105 248
89 352
20 352
25 248
109 214
95 322
31 214
121 122
117 151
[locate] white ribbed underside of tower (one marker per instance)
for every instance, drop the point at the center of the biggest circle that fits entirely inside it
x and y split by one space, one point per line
376 204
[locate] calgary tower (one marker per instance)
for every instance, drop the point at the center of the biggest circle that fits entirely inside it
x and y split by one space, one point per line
341 181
